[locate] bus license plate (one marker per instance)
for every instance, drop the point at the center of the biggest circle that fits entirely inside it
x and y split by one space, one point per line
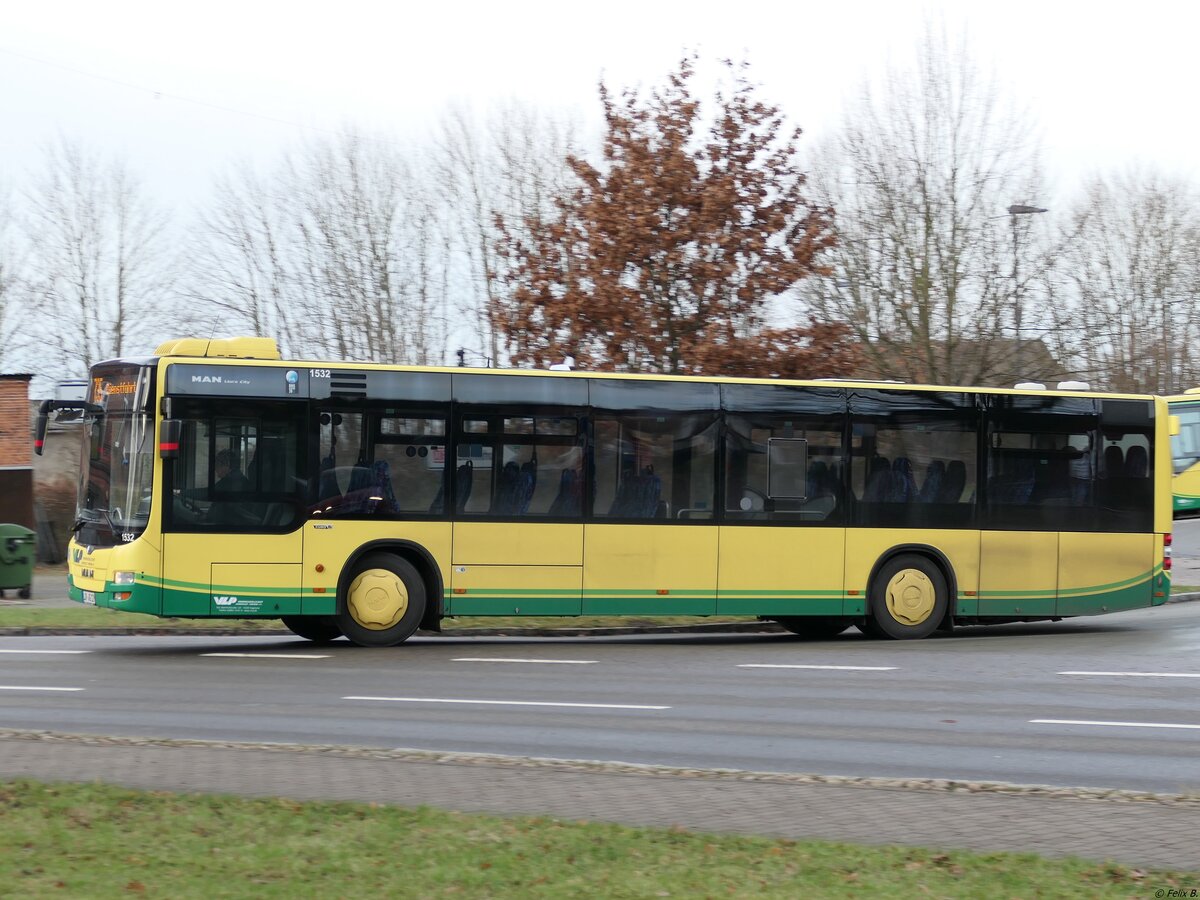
89 597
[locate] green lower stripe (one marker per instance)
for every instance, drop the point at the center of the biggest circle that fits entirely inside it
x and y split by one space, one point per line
652 595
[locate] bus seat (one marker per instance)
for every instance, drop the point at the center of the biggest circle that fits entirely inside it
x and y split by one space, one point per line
569 495
931 486
1137 462
1052 485
361 477
383 484
508 490
879 480
817 479
904 485
1114 461
526 485
1015 486
956 479
637 497
464 477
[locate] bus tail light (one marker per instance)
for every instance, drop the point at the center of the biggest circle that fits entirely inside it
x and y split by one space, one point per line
1166 553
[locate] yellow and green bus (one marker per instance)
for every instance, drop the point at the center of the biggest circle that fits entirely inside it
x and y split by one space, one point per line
1185 453
368 501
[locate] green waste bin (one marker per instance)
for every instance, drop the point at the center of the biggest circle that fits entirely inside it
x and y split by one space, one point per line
17 546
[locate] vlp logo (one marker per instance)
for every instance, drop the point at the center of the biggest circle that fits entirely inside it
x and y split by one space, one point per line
224 600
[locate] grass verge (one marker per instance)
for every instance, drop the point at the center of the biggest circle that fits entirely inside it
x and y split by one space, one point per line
101 841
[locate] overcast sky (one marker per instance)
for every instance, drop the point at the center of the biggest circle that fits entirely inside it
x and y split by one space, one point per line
184 89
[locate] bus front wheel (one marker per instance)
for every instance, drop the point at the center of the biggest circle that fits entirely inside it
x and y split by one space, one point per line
383 603
908 598
318 629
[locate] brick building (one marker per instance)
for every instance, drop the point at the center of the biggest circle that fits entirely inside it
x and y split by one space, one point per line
16 451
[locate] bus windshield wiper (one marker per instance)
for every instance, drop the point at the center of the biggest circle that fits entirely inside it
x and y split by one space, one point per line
85 520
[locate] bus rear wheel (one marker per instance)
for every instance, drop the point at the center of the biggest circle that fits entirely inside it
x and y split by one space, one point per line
318 629
383 603
908 599
814 628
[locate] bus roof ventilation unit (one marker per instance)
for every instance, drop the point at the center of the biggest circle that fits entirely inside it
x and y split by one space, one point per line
1074 386
1029 386
222 348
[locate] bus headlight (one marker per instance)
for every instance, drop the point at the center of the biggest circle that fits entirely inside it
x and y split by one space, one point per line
122 578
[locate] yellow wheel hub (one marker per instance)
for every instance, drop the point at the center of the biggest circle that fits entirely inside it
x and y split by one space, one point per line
377 599
910 597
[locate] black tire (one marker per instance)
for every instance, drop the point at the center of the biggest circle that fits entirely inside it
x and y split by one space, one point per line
868 627
909 598
25 593
318 629
814 628
386 606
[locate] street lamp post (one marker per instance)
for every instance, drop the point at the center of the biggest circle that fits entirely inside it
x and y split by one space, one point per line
1019 209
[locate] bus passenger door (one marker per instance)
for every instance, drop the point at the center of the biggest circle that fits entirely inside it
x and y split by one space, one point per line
518 523
232 544
651 548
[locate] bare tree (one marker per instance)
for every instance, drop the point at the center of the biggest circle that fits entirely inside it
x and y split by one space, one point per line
238 275
338 252
98 258
1131 255
11 337
507 167
925 268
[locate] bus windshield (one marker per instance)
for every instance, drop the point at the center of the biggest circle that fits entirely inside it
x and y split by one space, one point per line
1185 446
117 462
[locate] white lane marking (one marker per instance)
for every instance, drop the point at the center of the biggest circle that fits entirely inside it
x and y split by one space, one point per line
1139 674
271 655
46 651
836 668
1112 724
565 662
25 687
508 702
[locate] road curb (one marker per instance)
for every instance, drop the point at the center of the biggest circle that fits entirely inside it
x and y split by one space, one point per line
455 758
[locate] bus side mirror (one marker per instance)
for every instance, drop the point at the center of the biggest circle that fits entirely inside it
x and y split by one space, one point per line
91 413
1173 425
39 435
168 438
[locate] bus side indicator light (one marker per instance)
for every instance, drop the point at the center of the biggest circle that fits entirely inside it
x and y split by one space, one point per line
318 590
460 590
968 593
662 592
320 567
852 593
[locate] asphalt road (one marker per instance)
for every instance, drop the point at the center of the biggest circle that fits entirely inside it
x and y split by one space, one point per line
1100 702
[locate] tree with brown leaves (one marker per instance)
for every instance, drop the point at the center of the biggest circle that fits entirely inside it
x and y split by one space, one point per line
668 256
